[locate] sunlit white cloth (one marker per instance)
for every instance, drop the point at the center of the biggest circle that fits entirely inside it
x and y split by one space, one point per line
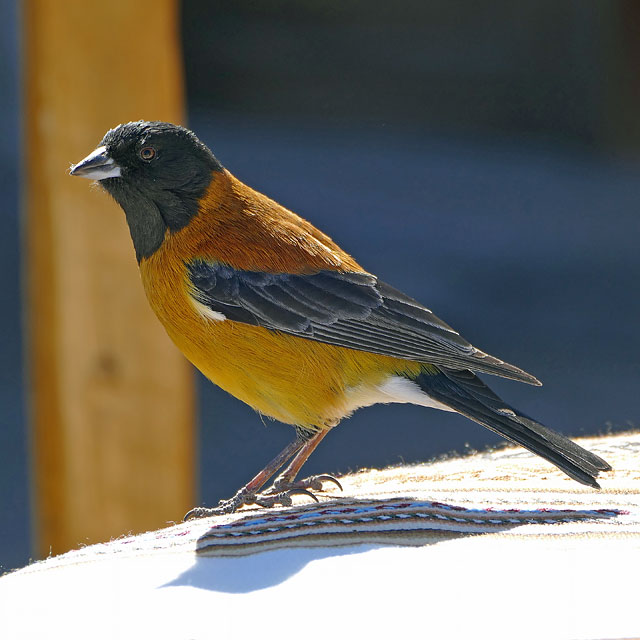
496 544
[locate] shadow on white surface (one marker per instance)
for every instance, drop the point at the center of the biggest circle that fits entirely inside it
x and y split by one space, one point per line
257 571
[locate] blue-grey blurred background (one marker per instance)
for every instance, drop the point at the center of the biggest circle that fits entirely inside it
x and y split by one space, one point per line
484 158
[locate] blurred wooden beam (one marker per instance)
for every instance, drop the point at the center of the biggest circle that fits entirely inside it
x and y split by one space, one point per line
111 398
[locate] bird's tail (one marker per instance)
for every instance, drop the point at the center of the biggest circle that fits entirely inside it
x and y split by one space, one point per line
464 392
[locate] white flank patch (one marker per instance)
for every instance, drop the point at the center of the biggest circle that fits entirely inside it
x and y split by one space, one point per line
394 389
206 312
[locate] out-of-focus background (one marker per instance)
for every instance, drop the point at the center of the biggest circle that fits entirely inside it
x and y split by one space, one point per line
482 158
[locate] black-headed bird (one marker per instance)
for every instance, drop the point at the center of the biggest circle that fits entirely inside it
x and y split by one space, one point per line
273 311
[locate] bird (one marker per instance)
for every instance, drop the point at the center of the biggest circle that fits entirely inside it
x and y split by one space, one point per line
273 311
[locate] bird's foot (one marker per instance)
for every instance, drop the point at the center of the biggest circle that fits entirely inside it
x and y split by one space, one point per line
273 497
312 483
242 497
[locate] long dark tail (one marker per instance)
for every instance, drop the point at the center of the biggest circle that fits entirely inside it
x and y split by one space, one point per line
464 392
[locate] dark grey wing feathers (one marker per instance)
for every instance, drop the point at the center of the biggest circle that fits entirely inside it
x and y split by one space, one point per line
353 310
398 301
299 304
261 306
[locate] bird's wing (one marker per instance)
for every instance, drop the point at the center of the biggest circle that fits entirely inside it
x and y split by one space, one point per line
353 310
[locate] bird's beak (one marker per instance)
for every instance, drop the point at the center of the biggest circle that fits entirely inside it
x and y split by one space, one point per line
98 165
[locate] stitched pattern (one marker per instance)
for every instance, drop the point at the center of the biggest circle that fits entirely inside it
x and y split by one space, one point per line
404 515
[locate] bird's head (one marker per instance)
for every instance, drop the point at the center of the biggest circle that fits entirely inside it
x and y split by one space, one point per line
157 172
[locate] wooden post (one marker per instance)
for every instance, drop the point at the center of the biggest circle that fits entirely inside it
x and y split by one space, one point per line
111 398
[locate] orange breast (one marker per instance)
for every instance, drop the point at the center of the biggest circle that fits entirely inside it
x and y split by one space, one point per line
246 230
291 379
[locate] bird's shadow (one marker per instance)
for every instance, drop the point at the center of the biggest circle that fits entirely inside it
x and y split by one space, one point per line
269 565
257 571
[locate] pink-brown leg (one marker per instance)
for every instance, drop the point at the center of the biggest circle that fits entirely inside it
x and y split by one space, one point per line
286 480
247 494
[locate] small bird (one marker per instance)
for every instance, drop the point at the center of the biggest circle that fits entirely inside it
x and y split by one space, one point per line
273 311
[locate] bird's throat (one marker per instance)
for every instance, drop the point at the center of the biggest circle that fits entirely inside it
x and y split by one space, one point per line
149 216
146 224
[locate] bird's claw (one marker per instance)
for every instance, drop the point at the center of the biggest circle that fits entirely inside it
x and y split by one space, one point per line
281 490
283 497
313 483
200 512
269 499
231 505
325 477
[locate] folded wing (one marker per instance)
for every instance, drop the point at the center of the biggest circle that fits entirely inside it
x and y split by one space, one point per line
352 310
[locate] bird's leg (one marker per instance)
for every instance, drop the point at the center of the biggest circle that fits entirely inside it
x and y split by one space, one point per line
248 493
285 482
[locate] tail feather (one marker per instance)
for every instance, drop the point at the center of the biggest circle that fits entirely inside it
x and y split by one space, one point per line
464 392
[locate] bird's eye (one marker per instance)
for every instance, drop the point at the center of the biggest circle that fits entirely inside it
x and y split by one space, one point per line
147 153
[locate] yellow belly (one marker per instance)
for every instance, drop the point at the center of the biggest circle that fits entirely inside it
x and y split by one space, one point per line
287 378
294 380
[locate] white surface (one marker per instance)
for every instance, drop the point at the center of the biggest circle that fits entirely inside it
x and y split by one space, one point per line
470 587
508 548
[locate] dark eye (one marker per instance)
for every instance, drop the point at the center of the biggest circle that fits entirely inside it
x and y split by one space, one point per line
147 153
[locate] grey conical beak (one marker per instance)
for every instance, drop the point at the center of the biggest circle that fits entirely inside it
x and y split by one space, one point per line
98 165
